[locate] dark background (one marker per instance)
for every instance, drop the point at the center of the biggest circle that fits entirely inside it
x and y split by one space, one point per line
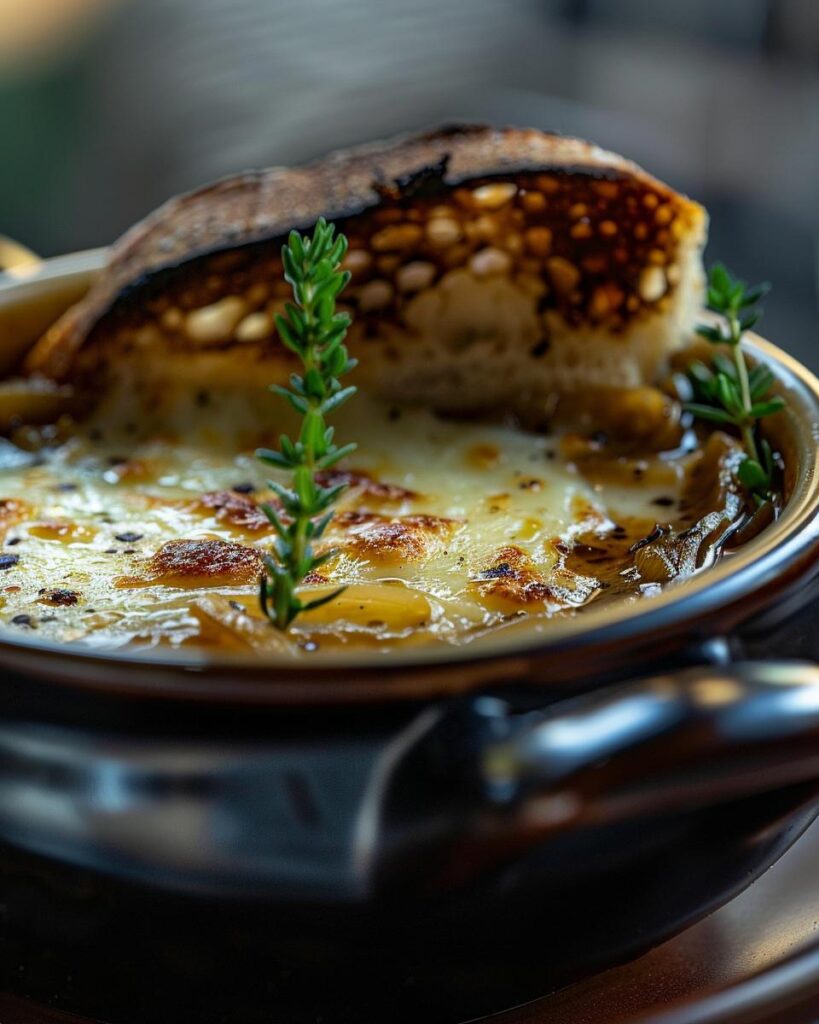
108 106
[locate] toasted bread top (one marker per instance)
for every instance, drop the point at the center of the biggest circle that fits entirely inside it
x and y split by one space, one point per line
463 242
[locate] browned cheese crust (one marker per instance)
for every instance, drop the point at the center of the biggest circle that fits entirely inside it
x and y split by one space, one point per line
196 563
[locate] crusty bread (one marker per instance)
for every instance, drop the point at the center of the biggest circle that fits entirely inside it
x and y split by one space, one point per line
490 268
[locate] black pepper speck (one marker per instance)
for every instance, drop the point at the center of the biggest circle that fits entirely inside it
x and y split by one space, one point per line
498 572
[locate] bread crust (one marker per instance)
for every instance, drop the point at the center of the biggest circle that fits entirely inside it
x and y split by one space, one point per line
162 262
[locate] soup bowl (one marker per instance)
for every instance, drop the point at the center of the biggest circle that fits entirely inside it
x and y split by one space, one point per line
468 827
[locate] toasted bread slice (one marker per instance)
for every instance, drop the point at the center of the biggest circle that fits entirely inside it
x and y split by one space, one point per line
489 268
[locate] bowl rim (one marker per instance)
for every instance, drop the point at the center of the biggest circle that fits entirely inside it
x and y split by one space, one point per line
565 648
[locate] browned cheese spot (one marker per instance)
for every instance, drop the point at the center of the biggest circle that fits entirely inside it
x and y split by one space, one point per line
365 485
237 509
198 563
512 580
395 540
58 597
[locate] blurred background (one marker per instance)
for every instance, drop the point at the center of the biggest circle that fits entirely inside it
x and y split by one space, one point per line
107 107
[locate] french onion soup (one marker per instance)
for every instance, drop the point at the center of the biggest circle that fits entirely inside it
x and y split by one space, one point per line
523 308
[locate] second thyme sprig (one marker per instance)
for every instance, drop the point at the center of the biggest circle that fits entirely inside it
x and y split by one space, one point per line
315 332
730 393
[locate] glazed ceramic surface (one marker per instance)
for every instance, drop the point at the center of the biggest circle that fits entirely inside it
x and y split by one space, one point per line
446 836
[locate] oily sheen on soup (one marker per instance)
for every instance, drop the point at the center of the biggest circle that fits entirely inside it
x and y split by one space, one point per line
446 529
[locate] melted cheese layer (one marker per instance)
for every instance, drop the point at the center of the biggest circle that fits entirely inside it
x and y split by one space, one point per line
447 529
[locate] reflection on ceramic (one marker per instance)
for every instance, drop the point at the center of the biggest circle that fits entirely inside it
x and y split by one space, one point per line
423 796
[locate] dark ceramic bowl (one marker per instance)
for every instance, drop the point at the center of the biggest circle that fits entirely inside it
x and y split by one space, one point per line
370 838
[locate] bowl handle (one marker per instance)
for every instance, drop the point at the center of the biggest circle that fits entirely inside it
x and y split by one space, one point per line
671 743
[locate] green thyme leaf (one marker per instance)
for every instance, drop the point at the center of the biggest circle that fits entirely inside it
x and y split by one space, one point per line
728 392
723 365
753 295
711 333
767 408
760 380
752 475
709 412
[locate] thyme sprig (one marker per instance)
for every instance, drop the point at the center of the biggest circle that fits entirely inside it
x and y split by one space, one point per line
315 332
728 392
